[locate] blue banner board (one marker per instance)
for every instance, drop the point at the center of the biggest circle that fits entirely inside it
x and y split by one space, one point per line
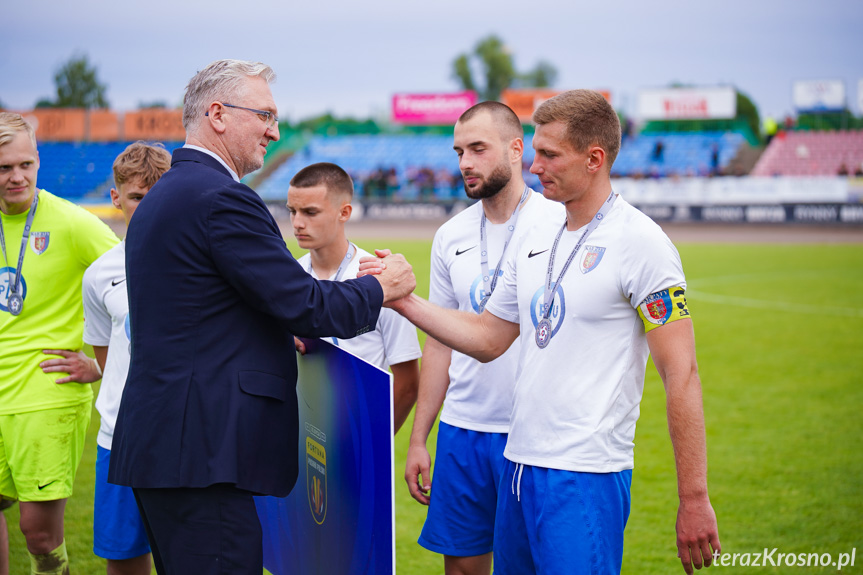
340 516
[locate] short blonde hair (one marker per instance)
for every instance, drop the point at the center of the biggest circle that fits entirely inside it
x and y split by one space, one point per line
221 80
589 119
141 162
12 123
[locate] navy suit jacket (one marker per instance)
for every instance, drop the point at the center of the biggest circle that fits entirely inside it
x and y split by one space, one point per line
215 298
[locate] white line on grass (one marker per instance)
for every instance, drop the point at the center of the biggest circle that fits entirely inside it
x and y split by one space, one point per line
775 305
804 308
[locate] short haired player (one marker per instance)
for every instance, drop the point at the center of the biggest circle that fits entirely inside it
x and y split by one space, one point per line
319 199
590 296
467 260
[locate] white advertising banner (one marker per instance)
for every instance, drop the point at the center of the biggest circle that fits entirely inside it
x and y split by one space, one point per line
819 95
687 103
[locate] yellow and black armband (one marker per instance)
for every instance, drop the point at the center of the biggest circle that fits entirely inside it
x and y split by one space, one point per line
663 307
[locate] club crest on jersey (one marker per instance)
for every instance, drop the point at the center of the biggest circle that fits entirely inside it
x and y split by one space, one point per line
316 479
7 275
477 291
592 257
657 307
39 242
558 309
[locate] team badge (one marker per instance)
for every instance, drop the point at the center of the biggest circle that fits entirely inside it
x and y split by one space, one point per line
592 257
316 479
39 242
663 307
657 310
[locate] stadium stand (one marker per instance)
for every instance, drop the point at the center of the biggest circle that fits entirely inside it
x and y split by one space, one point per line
80 171
681 154
411 166
804 153
408 167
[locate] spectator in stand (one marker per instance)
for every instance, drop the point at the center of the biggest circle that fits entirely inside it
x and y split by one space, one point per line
843 170
714 159
658 151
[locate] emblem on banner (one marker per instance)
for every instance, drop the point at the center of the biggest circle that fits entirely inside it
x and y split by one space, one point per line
39 242
316 479
592 257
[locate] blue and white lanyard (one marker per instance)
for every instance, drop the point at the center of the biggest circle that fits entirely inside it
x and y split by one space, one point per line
489 283
352 251
551 290
16 281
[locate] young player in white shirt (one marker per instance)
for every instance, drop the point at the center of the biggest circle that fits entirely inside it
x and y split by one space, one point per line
590 296
489 141
319 200
118 532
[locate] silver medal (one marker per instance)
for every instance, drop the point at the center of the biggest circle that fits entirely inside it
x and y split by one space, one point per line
543 333
15 304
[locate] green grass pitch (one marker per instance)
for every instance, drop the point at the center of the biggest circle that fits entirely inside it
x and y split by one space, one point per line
779 332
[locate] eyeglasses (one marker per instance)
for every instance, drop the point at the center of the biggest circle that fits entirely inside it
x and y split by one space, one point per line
268 118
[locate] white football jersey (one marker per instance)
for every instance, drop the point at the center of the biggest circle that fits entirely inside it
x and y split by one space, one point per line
577 400
394 339
479 396
106 323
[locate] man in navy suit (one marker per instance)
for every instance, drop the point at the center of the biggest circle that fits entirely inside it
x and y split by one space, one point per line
209 413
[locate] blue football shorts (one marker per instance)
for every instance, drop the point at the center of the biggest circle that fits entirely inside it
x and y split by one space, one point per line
467 471
551 521
118 532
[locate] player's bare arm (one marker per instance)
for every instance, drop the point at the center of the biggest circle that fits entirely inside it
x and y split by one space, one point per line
483 337
405 384
672 347
434 381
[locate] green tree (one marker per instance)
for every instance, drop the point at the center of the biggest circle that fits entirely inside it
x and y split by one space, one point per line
747 112
542 76
492 57
78 86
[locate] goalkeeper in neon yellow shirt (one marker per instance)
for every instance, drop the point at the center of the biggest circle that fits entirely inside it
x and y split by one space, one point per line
47 243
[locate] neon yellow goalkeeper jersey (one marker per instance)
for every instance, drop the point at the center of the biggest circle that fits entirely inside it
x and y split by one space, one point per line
64 240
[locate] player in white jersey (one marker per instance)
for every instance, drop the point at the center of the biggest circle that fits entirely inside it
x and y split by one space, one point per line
467 260
590 295
118 532
319 199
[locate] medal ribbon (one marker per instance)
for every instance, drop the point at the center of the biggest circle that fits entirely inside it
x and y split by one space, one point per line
551 290
13 287
489 284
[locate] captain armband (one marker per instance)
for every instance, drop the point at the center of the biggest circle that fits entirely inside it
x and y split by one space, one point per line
663 307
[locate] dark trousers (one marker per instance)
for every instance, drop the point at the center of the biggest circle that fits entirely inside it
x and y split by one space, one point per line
202 531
